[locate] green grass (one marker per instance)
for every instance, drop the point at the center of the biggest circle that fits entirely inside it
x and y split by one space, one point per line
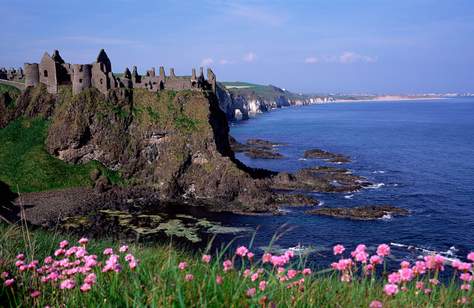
157 282
24 162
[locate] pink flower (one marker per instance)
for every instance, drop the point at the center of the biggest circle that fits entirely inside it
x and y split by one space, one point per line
383 250
35 294
182 265
262 285
254 276
375 259
434 281
465 287
251 292
242 251
20 257
132 264
189 277
394 278
346 277
9 282
465 277
19 263
83 241
219 279
361 256
59 252
5 275
390 289
405 264
123 249
206 258
67 284
406 274
227 265
63 244
306 271
250 255
420 267
375 304
85 287
470 256
266 258
90 279
246 273
108 251
292 273
420 285
48 260
80 253
338 249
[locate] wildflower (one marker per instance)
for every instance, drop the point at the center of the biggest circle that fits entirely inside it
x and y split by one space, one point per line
420 285
465 287
48 260
242 251
361 256
5 275
405 264
262 285
189 277
9 282
406 274
219 279
83 241
420 267
390 289
20 257
462 300
59 252
266 258
306 271
227 265
67 284
123 249
251 292
463 266
254 276
375 304
108 251
35 294
250 255
206 258
394 278
383 250
289 254
346 278
338 249
80 253
375 259
182 265
246 273
470 256
292 273
465 277
427 291
85 287
63 244
434 281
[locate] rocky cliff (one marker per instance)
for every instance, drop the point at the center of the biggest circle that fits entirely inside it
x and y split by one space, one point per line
240 100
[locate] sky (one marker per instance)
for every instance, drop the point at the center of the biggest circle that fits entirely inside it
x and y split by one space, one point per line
310 46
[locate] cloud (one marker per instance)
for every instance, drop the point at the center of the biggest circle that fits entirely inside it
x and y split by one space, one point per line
347 57
250 57
207 61
257 14
224 61
311 60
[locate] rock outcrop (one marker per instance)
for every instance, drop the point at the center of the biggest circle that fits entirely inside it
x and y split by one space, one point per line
369 212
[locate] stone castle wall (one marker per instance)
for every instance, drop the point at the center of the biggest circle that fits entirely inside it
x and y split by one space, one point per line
52 71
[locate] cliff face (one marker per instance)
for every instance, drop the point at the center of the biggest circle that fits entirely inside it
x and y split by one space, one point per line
174 143
241 101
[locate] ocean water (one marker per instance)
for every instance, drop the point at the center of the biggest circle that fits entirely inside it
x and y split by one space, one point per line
420 153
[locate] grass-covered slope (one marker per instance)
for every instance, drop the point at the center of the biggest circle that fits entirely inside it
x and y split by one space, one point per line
25 164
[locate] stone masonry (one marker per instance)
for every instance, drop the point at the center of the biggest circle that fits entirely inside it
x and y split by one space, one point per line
52 71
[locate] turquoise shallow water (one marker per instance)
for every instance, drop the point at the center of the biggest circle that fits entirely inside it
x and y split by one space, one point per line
421 153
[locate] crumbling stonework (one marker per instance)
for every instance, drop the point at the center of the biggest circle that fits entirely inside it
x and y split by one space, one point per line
53 71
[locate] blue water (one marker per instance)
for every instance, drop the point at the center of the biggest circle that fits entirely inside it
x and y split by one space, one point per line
422 152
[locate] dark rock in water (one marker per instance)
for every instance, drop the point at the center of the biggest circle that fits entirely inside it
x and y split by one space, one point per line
295 200
263 154
319 179
331 157
369 212
264 144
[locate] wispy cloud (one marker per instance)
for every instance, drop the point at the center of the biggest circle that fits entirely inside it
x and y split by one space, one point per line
207 62
346 57
250 57
225 61
255 13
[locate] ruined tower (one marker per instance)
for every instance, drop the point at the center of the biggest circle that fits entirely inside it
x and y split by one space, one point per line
102 77
48 73
31 74
81 77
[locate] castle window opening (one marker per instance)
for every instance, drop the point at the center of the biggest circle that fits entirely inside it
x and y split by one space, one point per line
101 81
80 80
45 73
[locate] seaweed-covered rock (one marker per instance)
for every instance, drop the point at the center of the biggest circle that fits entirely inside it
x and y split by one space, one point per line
325 155
369 212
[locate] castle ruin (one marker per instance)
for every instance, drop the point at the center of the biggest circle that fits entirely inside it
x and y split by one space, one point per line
53 72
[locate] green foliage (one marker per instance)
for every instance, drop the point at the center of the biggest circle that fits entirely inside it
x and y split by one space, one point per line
157 281
185 123
13 92
25 163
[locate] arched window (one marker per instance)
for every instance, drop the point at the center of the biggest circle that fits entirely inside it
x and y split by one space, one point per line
80 80
45 73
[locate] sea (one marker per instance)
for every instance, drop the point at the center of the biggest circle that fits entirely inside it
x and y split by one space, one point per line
419 154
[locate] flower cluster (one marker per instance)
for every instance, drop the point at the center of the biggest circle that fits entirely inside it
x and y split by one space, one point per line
69 267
